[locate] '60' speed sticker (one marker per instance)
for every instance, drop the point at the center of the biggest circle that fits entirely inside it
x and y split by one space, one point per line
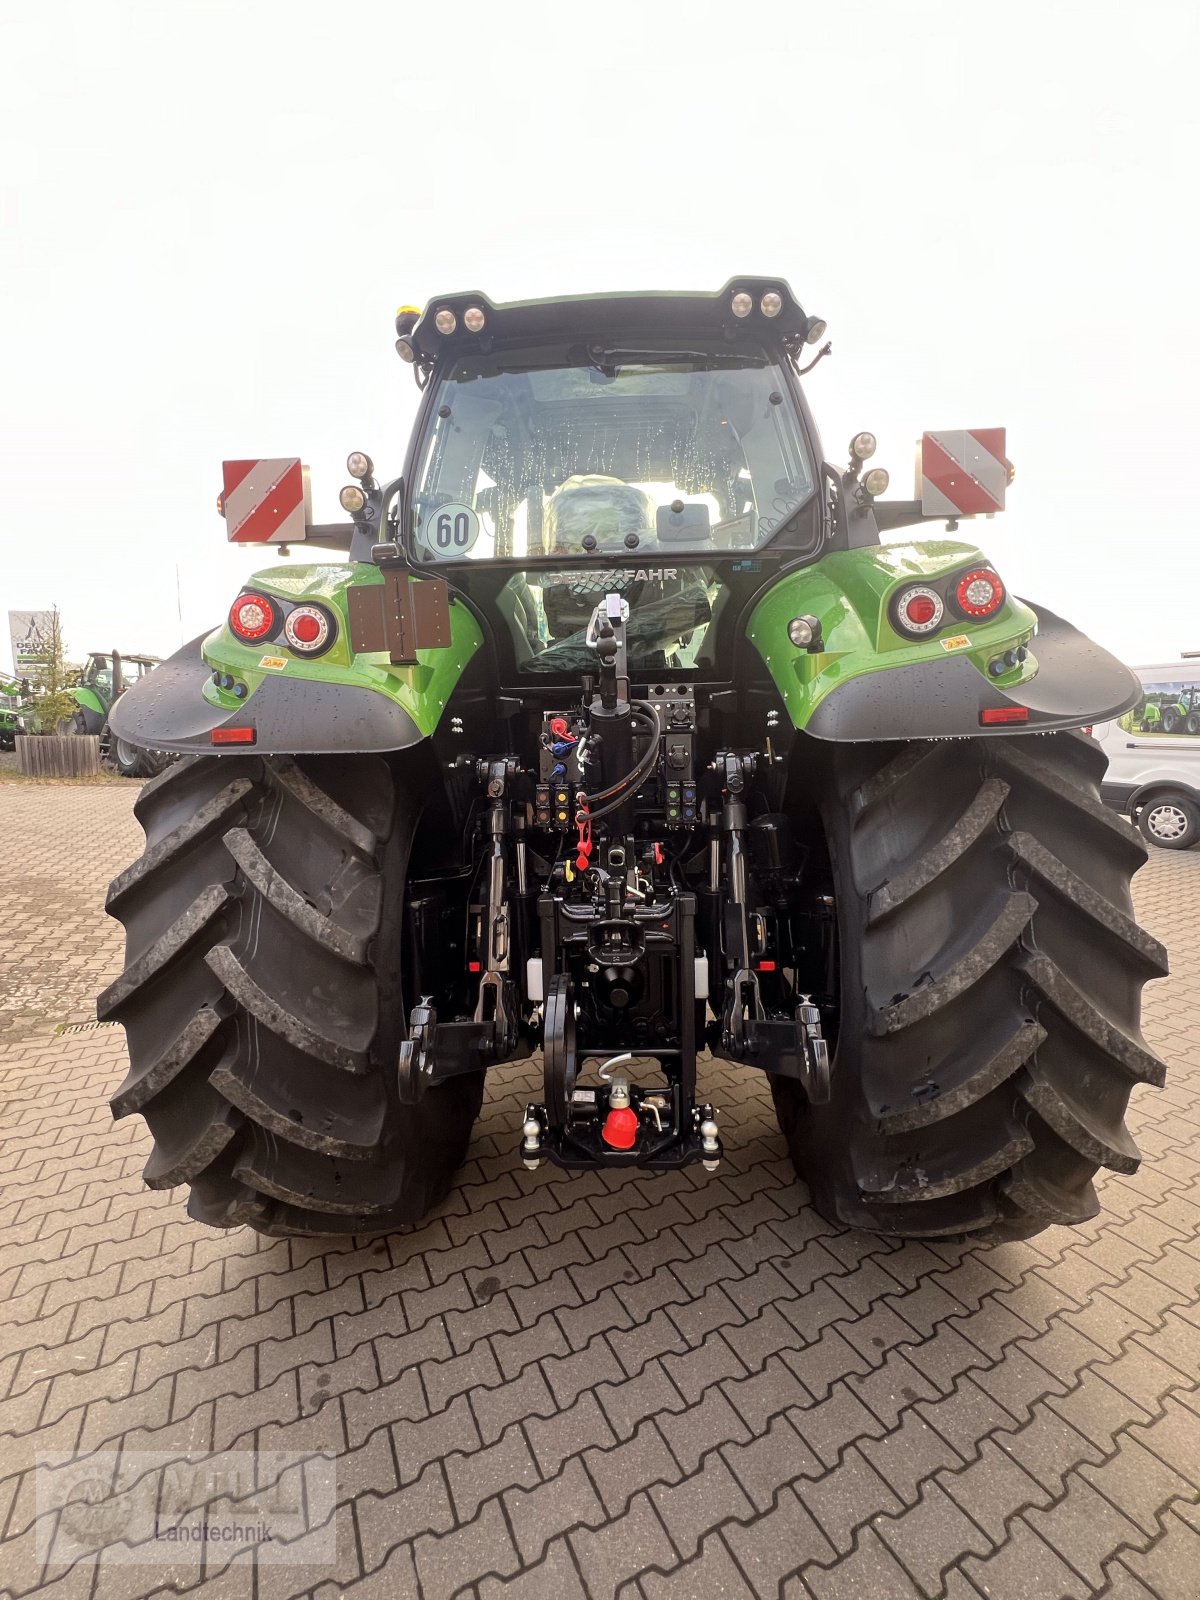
451 531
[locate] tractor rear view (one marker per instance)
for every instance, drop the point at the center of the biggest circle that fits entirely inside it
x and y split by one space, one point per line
620 736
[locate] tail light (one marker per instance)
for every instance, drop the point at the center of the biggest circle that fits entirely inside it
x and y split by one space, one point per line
979 593
252 617
918 611
310 630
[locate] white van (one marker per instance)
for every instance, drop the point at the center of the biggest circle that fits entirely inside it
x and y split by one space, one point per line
1154 756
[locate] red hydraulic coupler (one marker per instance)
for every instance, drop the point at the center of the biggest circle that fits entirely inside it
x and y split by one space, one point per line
620 1128
584 823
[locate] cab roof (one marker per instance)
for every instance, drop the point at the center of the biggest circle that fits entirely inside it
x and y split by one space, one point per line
637 313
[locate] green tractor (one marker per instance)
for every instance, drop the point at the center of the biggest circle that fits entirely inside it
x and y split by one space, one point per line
105 678
621 736
13 712
1179 712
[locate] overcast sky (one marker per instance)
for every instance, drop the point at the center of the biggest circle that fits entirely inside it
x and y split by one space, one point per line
211 211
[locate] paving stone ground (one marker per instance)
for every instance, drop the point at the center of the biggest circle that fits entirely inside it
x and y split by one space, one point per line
655 1388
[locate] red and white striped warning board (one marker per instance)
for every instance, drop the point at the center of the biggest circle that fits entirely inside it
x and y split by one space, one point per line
265 502
962 472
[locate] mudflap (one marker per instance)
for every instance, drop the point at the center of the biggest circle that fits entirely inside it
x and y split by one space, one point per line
1077 682
286 716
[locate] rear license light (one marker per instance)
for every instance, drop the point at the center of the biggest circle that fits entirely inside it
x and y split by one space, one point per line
993 714
252 617
232 736
979 593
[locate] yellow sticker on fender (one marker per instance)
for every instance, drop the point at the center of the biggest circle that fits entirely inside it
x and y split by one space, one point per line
957 641
276 663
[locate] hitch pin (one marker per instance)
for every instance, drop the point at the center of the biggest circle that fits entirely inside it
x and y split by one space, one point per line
605 1069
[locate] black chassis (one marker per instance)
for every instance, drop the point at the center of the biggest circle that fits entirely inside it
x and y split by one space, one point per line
646 925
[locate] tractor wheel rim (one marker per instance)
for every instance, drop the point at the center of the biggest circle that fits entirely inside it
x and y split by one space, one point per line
1167 822
126 753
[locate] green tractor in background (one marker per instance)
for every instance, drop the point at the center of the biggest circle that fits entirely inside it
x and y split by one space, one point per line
622 735
13 712
105 679
1177 712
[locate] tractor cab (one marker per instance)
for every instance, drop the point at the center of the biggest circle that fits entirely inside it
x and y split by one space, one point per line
637 445
109 674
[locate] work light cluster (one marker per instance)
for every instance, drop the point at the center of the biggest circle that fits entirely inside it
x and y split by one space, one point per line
474 320
353 498
770 304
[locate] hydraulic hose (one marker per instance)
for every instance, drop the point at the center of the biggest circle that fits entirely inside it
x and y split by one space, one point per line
635 778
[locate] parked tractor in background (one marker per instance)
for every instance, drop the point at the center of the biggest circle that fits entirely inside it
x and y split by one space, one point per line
13 712
105 678
623 734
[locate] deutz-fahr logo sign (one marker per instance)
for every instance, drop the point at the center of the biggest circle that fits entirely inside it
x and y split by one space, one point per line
32 634
649 574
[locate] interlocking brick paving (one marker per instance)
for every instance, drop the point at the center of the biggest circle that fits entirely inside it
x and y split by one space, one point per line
57 949
652 1387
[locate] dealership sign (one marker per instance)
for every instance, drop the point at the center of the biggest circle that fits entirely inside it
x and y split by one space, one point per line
32 634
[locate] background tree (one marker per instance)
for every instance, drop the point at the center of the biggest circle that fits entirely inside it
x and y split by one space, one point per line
50 680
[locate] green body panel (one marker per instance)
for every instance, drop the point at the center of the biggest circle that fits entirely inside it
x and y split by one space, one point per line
421 689
849 592
89 700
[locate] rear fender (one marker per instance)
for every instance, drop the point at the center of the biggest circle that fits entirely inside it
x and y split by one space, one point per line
344 700
89 700
868 681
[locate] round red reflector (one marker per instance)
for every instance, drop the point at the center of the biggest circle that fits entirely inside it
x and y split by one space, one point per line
251 617
919 610
979 593
309 630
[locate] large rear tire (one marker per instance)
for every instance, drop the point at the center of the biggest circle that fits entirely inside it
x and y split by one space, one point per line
262 996
991 977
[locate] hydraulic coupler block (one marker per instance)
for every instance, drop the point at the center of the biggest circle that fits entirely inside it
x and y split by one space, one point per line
552 806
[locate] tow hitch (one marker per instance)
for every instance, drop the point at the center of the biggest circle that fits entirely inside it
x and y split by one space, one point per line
618 1124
